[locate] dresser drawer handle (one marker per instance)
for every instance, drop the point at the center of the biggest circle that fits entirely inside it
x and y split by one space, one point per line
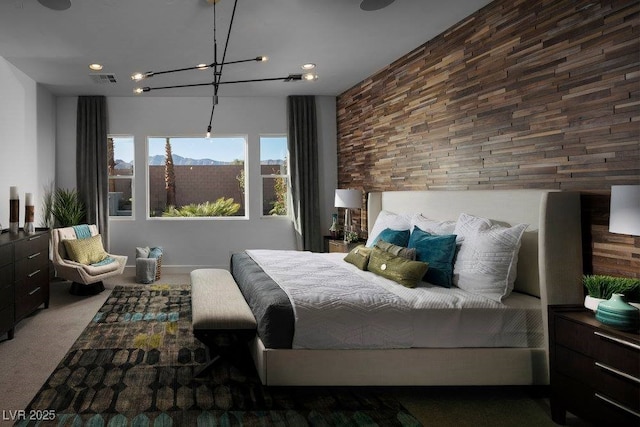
34 291
618 340
617 405
618 372
32 256
34 237
33 274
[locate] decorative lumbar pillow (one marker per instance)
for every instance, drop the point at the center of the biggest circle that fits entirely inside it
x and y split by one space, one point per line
396 250
486 263
438 252
404 271
86 251
390 220
395 237
359 256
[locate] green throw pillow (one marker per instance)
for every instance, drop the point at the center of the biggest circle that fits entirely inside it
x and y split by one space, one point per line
85 251
404 271
396 250
359 256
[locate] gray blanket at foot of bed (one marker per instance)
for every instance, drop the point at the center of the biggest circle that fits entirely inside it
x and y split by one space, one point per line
269 303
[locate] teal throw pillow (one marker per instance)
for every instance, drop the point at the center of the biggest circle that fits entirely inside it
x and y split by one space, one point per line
155 252
395 237
438 251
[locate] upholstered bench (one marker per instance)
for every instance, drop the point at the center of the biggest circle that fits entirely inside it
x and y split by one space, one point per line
219 309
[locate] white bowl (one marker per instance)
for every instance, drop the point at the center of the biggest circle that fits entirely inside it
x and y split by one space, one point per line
592 303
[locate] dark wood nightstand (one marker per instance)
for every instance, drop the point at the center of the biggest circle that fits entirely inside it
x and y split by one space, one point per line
595 369
342 246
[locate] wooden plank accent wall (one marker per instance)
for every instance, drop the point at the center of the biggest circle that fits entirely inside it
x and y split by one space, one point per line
521 94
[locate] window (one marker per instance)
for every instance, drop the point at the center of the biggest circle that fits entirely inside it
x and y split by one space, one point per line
274 158
121 174
196 177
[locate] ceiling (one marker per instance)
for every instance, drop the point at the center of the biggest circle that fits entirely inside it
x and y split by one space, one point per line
347 43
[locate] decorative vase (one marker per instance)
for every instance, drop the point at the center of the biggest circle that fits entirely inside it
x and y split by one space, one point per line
14 210
334 226
619 314
29 211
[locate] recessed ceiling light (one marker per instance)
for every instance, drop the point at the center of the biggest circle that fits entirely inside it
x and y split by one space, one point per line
56 4
308 66
371 5
95 67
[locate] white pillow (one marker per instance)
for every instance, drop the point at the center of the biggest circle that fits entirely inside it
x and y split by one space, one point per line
486 263
390 220
440 228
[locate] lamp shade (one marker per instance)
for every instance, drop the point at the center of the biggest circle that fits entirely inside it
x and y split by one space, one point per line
351 199
625 210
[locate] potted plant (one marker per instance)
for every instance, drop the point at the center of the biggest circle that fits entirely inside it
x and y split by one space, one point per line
67 208
601 288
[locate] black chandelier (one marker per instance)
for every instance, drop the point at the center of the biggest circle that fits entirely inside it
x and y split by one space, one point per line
217 67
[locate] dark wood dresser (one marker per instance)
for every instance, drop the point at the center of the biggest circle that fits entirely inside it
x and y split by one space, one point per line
24 276
595 369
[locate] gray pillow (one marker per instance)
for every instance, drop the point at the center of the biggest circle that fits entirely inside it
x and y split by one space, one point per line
143 252
396 250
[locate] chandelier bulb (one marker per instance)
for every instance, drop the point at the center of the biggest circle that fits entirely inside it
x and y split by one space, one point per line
262 58
138 91
141 76
310 77
209 131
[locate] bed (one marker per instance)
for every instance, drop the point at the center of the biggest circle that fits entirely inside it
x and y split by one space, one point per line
549 271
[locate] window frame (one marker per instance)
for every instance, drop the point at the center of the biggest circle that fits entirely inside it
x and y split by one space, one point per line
244 136
263 176
125 177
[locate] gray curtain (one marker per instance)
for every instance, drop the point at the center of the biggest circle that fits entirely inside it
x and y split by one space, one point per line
305 190
91 161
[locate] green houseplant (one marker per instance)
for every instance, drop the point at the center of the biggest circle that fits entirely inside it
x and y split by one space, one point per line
600 288
221 207
65 206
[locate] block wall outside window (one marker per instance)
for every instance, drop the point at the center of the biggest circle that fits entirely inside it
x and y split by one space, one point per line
196 177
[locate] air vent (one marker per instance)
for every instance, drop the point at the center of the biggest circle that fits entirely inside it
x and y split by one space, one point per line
103 78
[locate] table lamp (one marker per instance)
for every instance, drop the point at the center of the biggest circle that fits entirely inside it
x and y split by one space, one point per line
625 210
348 199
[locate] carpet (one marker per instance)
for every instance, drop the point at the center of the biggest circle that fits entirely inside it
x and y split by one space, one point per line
134 365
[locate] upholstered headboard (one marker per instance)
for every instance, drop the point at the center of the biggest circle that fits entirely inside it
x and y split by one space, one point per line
550 258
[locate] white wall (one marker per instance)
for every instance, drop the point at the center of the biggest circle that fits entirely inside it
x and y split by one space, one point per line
27 139
199 242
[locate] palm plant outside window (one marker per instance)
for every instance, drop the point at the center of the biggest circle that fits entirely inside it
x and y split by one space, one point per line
196 177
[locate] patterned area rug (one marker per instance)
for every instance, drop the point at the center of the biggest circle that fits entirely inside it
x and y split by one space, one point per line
134 365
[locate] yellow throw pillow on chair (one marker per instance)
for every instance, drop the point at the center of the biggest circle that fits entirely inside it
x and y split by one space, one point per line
86 251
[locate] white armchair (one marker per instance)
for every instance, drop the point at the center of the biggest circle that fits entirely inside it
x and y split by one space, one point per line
86 278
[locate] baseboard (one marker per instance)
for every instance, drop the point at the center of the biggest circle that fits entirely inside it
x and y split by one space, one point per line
177 269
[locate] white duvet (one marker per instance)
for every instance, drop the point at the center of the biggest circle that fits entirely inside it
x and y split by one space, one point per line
337 306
